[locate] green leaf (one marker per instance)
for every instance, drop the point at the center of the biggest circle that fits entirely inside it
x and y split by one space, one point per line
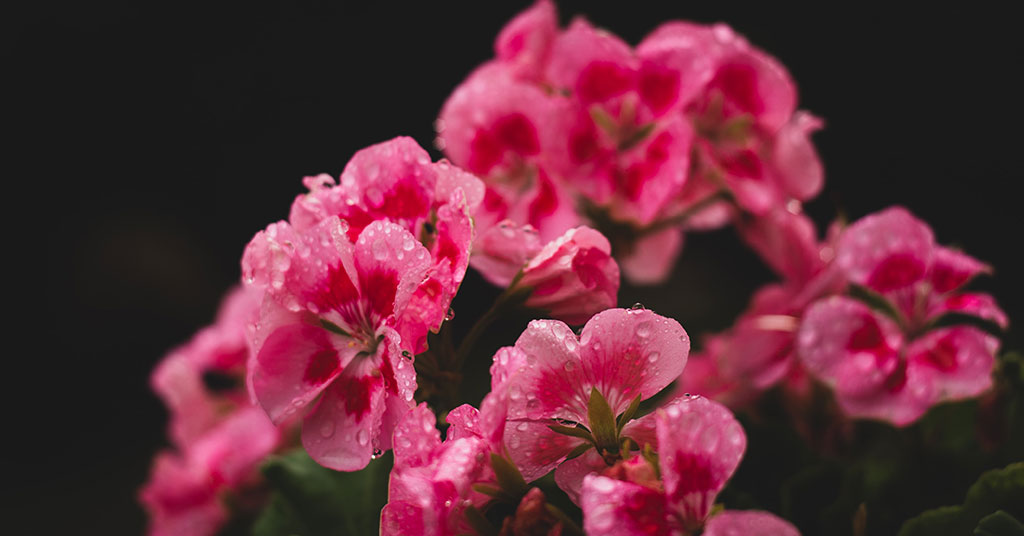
579 450
953 318
573 431
332 327
510 480
999 524
479 523
628 415
602 422
999 489
603 120
312 500
636 136
877 302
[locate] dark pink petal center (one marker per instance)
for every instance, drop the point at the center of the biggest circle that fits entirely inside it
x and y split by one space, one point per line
694 474
738 84
517 134
321 365
603 80
355 393
895 272
379 287
659 87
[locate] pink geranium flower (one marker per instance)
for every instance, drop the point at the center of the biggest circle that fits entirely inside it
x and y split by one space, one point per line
621 357
750 139
570 278
671 488
327 340
432 481
893 360
218 435
395 181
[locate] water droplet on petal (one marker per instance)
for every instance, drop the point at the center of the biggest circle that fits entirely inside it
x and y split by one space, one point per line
362 437
327 429
376 454
450 314
637 307
653 358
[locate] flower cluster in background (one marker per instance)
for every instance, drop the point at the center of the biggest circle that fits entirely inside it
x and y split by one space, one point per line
574 156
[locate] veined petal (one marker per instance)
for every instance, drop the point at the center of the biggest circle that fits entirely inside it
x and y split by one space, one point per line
749 523
535 448
619 508
700 444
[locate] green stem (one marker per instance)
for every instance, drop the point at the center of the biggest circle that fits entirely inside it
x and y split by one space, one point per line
682 217
488 318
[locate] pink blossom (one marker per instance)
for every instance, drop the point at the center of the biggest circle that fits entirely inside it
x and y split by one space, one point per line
221 349
184 492
395 181
328 341
699 445
570 278
750 138
624 355
219 436
894 364
432 481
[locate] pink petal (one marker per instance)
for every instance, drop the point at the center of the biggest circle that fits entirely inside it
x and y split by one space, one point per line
178 382
391 263
493 122
535 448
748 523
951 269
971 303
453 178
687 48
231 451
653 173
962 359
614 507
631 352
572 277
416 437
752 82
886 251
643 431
570 473
181 499
525 42
787 242
652 258
503 250
295 363
341 431
394 179
594 65
464 421
700 444
796 161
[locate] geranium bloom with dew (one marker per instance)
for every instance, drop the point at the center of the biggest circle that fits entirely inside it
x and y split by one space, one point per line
338 393
909 341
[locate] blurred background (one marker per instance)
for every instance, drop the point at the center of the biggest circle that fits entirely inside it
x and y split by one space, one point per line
152 140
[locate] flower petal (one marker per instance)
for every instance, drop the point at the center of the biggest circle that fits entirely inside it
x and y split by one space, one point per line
748 523
618 508
700 444
886 251
535 448
341 431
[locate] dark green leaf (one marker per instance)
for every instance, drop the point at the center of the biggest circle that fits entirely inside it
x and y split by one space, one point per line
602 421
510 480
999 489
999 524
579 450
877 302
603 120
311 500
332 327
573 431
628 415
962 319
636 136
479 522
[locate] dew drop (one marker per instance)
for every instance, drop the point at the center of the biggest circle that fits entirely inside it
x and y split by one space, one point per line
380 250
522 427
637 307
450 314
376 454
362 437
643 330
327 429
569 366
653 358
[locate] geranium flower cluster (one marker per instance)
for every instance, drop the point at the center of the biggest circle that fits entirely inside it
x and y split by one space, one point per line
574 125
577 152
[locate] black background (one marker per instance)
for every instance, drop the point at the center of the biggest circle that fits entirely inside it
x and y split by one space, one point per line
150 142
